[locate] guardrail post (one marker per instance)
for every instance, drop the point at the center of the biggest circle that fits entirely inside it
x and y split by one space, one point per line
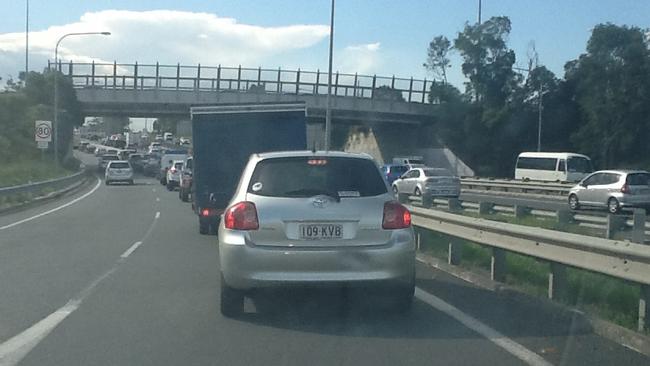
392 83
114 74
454 253
374 84
484 208
564 216
427 201
403 197
424 91
298 82
238 77
614 224
178 75
644 308
498 265
453 204
135 75
418 240
198 77
157 75
218 77
317 82
336 84
70 68
92 73
521 211
279 79
410 89
638 231
557 282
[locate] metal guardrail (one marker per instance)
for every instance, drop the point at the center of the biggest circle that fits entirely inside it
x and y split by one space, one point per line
516 186
619 259
136 76
37 187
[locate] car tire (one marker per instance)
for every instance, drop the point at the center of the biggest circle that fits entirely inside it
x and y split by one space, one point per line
204 228
232 300
185 197
417 192
170 187
574 204
613 206
163 181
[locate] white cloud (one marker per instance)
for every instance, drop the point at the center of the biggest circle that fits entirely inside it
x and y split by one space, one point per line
363 58
165 36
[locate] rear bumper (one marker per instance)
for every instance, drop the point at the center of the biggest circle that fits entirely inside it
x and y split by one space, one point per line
119 178
246 266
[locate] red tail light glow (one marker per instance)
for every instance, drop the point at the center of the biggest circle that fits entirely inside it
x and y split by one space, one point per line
396 216
626 189
241 216
205 212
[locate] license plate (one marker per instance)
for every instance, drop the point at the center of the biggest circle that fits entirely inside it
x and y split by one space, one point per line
320 231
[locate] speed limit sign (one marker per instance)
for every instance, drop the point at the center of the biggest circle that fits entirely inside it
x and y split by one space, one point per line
43 132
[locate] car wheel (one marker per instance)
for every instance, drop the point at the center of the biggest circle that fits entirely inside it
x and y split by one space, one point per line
613 206
204 228
170 187
232 300
163 181
185 197
417 191
573 202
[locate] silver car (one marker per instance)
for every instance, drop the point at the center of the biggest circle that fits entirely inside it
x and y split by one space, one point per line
436 182
314 218
118 171
613 189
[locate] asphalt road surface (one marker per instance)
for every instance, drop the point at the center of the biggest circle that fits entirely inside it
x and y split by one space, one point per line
118 275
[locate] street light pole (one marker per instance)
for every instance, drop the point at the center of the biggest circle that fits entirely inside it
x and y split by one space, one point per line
55 129
540 107
328 108
26 39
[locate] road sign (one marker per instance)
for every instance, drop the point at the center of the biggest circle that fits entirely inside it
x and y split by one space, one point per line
43 132
42 144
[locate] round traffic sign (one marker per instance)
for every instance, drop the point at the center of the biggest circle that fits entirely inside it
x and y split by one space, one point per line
43 131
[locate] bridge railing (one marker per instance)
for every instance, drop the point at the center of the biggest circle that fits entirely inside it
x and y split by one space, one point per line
210 78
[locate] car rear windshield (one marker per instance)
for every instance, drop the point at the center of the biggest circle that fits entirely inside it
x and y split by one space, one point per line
178 165
310 176
437 173
119 165
398 169
638 179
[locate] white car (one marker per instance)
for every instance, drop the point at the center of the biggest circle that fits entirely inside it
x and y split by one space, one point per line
174 174
118 171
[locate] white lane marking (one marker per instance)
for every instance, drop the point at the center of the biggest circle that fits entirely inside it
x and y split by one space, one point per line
99 182
512 347
16 348
131 249
158 214
157 199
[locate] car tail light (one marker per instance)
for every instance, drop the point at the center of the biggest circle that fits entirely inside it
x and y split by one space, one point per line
626 189
396 216
205 212
241 216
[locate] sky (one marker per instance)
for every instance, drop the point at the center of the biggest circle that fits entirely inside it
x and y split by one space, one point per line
383 37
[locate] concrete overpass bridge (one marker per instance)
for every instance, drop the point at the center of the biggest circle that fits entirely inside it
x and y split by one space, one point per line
384 116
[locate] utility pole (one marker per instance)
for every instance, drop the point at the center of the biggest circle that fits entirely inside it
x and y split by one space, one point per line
479 11
328 109
26 39
540 107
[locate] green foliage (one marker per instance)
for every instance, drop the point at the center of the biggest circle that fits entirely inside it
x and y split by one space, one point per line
601 107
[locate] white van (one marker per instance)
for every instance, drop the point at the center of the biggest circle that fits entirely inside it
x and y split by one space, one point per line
410 161
552 167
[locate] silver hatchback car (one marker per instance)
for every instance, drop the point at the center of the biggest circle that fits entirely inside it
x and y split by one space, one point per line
314 218
613 189
438 182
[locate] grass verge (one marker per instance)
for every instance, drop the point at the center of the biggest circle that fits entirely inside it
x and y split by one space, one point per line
24 171
606 297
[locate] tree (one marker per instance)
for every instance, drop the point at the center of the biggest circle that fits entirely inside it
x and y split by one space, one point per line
612 88
437 57
440 93
487 61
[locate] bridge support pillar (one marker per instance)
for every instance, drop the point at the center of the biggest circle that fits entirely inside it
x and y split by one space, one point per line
638 233
557 282
564 216
498 265
484 208
644 308
454 253
521 211
614 224
453 204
